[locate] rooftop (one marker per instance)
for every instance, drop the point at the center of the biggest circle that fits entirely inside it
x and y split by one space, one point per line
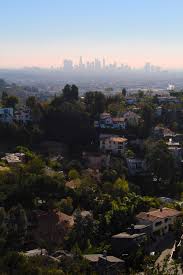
95 258
125 235
158 214
36 252
118 119
118 139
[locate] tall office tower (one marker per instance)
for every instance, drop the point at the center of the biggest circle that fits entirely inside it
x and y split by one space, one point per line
103 63
97 65
81 65
68 65
147 67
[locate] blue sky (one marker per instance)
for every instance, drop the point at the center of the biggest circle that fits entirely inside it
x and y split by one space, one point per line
44 32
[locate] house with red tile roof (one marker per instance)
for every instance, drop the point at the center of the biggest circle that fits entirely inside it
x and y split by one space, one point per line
161 220
113 144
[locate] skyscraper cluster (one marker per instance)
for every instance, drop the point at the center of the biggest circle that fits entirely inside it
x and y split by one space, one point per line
98 65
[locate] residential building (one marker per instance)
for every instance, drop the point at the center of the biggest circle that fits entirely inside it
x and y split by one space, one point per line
23 115
158 111
135 166
6 115
161 220
126 242
14 158
119 123
175 149
106 121
36 252
131 100
167 99
115 145
162 132
102 263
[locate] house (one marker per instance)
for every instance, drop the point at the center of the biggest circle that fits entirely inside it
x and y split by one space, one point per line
23 115
126 242
101 263
115 144
36 252
135 166
52 226
106 121
162 132
161 220
14 158
158 111
139 228
167 99
130 100
175 149
119 123
6 115
131 118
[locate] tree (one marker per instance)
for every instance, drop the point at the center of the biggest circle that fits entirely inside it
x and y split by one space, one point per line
160 161
121 186
4 97
3 229
147 116
66 205
31 102
124 92
83 232
95 103
17 226
70 92
35 165
73 174
2 83
11 101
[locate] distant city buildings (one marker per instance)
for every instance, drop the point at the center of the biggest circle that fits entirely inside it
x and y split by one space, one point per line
101 65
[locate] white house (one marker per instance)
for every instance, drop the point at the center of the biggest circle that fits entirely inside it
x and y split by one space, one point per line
175 149
6 115
161 220
114 144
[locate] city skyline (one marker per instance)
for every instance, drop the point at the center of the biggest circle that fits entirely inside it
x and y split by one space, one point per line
99 64
43 33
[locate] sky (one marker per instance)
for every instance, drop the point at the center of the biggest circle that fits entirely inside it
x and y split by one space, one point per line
44 32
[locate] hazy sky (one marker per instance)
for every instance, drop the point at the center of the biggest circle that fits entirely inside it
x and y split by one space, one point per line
44 32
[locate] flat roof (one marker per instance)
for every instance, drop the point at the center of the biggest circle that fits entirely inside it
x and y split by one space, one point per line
126 235
95 257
